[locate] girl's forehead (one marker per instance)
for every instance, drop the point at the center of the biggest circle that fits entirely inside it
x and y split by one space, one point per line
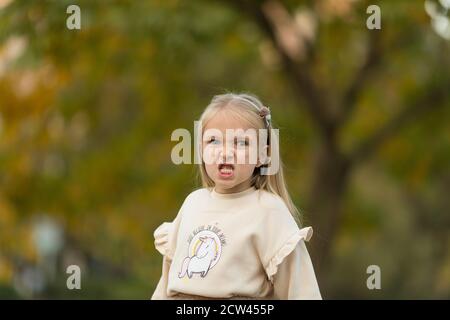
227 120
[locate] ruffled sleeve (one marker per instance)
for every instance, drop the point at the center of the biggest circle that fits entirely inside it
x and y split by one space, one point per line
295 278
287 247
165 242
161 236
282 250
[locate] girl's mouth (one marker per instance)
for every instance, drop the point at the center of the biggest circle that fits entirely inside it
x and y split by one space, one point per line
226 170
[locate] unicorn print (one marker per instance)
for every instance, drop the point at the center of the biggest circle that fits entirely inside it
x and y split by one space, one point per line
202 260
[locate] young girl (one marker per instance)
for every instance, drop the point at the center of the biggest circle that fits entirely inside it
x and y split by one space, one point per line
237 237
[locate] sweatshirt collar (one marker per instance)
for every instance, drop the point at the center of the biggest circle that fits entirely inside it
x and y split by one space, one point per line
236 195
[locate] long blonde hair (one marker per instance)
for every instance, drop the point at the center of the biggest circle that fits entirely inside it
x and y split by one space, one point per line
247 107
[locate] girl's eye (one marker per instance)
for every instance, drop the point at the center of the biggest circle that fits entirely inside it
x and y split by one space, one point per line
242 143
213 141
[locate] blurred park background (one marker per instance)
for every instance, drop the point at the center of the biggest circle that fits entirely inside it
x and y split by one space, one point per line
86 118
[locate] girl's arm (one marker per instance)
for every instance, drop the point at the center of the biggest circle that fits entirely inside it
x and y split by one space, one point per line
295 278
165 242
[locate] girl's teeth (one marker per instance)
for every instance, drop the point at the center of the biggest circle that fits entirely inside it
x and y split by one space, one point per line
226 170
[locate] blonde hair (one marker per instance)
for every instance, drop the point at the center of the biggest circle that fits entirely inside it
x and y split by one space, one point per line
247 107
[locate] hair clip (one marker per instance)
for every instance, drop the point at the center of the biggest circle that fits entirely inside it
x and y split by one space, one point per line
264 112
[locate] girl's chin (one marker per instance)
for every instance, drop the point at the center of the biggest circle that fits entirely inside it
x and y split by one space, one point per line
225 183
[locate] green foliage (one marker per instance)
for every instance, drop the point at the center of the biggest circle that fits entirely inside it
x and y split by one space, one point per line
86 118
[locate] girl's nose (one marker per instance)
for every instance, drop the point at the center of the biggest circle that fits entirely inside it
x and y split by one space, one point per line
227 154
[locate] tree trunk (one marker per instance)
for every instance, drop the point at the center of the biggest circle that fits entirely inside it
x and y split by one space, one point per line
324 208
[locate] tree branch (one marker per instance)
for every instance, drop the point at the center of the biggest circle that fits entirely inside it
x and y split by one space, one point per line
372 59
297 69
433 98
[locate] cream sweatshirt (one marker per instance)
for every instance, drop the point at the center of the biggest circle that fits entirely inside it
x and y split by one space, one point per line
234 246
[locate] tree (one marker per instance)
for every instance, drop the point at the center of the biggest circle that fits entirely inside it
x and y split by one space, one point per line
329 109
86 118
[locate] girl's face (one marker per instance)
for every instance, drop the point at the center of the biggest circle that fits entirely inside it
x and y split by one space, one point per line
230 158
